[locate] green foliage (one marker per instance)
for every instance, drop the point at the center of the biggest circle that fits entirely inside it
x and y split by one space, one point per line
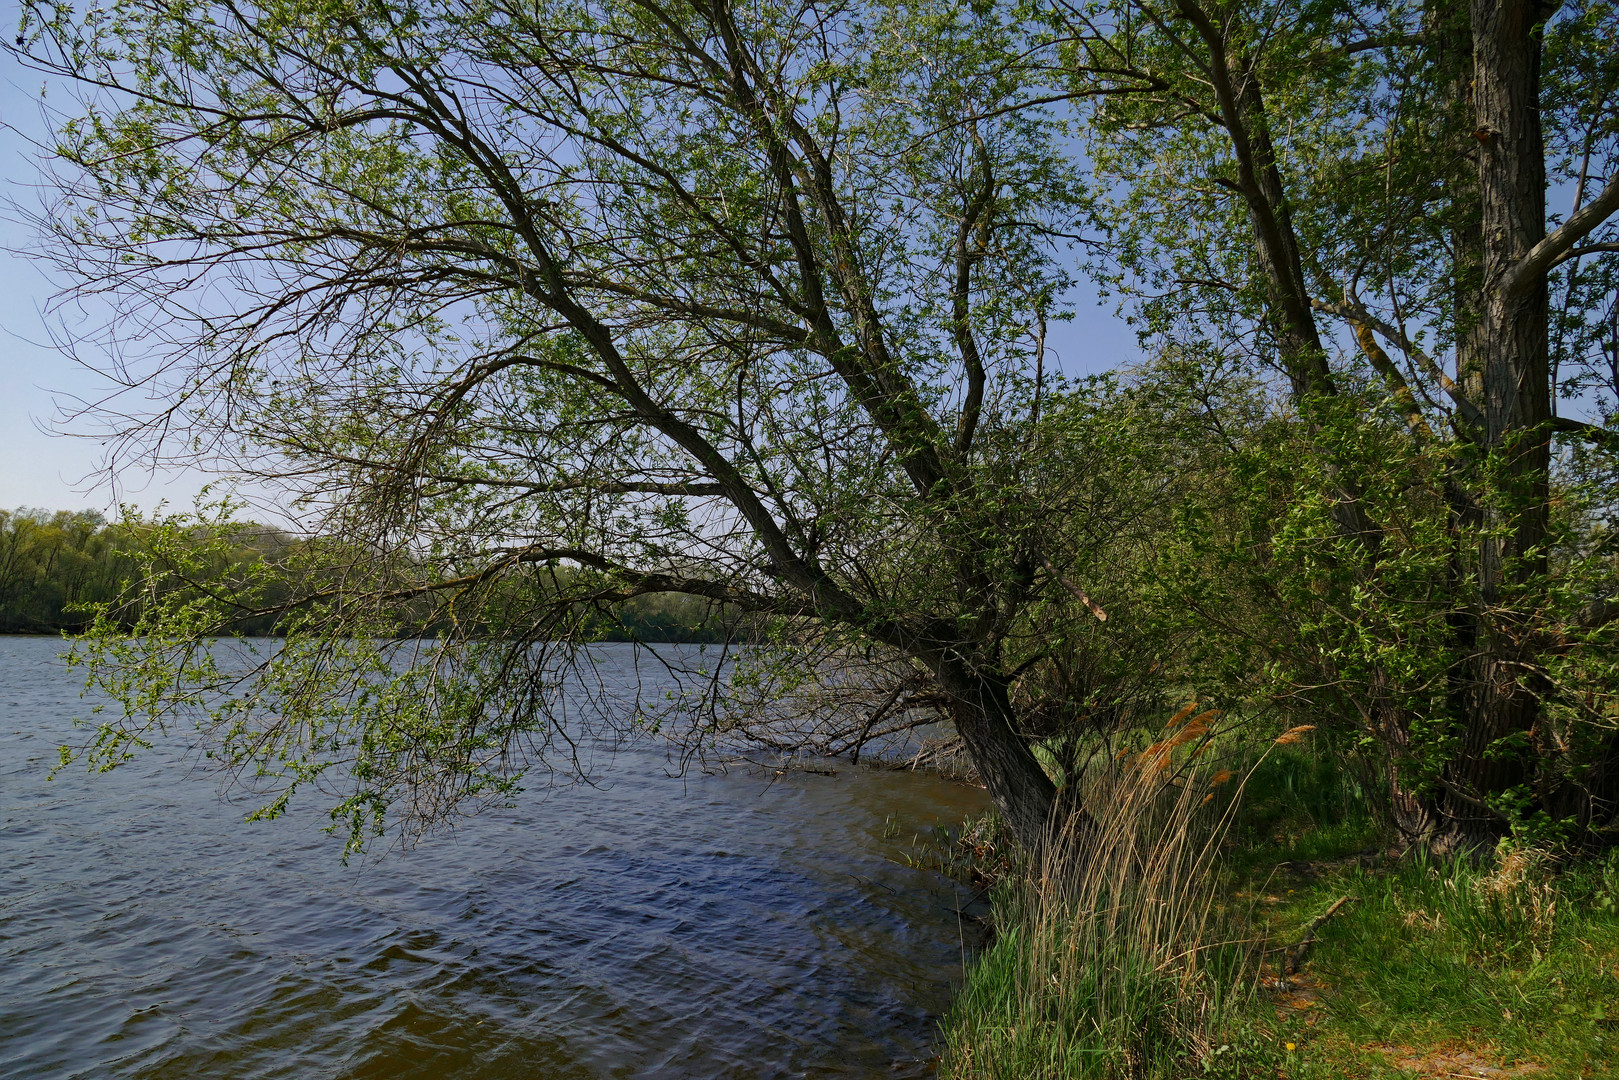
1295 794
57 569
1490 962
541 312
366 704
1295 192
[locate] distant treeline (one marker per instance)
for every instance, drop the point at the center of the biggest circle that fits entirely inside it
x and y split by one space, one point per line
55 566
51 563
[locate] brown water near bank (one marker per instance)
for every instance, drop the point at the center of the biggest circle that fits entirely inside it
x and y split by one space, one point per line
707 926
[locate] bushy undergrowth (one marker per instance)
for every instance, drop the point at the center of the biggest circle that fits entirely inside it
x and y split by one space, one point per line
1153 941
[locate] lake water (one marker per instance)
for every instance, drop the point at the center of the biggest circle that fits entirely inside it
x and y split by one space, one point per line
711 926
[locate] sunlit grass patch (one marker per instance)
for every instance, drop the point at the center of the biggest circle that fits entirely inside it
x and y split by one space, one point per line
1507 966
1512 965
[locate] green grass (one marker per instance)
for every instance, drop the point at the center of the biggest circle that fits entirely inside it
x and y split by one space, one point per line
1431 969
1515 963
1113 957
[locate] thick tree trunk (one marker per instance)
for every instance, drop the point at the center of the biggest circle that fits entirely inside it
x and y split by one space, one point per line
1435 821
982 709
1503 366
1510 349
1513 345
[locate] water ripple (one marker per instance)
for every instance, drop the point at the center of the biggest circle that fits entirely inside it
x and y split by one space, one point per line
654 928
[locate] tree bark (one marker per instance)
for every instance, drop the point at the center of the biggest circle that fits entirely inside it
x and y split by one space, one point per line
982 709
1503 366
1510 353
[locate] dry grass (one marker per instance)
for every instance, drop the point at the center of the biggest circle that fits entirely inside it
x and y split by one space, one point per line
1115 962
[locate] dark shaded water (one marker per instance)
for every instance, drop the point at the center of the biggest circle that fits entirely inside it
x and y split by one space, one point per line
716 926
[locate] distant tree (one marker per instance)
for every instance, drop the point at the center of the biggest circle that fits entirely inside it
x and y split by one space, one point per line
12 552
50 563
18 557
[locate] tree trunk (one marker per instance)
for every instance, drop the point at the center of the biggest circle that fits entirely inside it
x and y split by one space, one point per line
1514 351
982 709
1503 366
1511 350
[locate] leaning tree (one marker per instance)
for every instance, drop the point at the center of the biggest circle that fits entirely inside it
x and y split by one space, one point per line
536 307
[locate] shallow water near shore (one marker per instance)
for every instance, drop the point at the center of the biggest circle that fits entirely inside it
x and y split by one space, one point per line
654 926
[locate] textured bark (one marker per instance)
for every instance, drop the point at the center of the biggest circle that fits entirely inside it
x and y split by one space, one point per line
1512 348
1510 353
982 710
1503 367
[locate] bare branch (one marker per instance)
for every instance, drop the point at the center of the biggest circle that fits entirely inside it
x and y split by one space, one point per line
1530 269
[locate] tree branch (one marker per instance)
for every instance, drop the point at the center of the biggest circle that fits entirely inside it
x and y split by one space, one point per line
1580 252
1356 313
1523 274
967 254
1079 594
1606 438
1403 397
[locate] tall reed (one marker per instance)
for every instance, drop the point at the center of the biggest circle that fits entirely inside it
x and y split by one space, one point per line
1114 958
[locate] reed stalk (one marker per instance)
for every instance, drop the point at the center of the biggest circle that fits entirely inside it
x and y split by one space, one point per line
1115 957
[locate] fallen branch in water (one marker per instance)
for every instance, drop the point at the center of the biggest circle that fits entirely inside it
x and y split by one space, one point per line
785 767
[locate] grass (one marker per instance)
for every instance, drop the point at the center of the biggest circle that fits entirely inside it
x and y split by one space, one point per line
1155 944
1514 966
1114 957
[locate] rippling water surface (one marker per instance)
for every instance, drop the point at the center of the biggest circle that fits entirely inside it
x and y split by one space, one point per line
712 926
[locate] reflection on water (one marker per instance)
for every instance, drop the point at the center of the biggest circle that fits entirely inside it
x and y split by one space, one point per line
711 926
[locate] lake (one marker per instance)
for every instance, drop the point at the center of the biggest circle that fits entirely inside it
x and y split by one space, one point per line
734 925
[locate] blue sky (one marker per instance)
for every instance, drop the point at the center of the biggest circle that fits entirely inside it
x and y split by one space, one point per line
39 465
44 464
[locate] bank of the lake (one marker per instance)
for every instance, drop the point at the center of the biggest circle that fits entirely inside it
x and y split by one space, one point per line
1323 951
56 567
653 926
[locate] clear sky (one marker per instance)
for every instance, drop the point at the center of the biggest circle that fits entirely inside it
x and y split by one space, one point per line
40 466
43 464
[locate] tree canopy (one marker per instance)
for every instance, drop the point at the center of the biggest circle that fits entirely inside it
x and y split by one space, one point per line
538 307
50 564
735 303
